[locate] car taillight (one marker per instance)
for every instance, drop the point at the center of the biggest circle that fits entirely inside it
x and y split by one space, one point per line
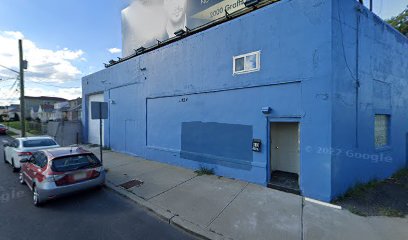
95 174
24 154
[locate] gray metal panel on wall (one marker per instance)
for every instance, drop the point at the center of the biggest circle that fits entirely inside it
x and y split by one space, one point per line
207 142
127 117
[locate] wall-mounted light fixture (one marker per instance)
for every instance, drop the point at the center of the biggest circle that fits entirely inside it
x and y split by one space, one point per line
158 42
251 3
140 50
181 32
266 110
227 14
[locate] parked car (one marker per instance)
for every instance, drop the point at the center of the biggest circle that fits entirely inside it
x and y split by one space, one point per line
3 129
21 148
56 172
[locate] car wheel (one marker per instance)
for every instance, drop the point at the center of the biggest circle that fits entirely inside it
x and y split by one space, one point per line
21 178
14 167
36 197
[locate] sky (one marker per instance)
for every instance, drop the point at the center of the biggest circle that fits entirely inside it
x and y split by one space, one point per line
65 40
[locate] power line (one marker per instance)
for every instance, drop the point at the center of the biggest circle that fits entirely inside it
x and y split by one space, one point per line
9 69
7 79
8 85
11 90
49 85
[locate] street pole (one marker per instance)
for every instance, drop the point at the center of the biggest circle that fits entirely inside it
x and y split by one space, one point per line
22 106
100 131
371 5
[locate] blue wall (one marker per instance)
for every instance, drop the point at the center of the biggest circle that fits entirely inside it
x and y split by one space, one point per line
167 97
383 89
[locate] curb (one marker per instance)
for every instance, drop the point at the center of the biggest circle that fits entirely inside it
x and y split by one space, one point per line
167 216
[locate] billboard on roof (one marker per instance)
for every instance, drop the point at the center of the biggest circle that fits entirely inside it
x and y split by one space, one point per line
146 21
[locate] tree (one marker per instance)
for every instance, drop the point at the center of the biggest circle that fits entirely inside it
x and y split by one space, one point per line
400 22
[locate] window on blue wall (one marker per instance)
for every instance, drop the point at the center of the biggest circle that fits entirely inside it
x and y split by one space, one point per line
381 130
246 63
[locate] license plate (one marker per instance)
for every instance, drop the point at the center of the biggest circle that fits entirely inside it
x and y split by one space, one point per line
79 176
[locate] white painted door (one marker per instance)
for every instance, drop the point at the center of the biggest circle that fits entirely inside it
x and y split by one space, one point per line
285 147
93 125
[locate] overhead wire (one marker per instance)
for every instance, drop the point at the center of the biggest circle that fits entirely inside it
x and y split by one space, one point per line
50 85
11 91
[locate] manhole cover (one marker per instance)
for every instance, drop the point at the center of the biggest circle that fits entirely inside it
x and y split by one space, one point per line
131 183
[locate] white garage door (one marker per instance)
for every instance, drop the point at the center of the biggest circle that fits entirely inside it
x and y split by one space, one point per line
93 125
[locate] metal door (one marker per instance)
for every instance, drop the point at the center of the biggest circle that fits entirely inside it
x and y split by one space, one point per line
285 147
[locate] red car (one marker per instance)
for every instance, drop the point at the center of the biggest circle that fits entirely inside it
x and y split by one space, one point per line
3 129
55 172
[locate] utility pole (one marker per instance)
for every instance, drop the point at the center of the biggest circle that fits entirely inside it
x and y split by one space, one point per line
23 65
371 5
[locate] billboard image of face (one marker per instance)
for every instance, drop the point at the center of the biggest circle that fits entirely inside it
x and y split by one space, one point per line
146 21
176 11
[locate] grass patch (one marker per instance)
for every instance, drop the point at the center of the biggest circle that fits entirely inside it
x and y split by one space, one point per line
403 173
35 132
390 212
378 198
16 124
204 171
359 190
357 212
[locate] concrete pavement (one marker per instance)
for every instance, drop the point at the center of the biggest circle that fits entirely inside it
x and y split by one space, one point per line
220 208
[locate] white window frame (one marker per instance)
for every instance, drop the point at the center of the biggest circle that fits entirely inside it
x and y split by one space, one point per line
258 63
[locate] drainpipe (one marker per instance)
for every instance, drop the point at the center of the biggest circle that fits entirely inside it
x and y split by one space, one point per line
357 74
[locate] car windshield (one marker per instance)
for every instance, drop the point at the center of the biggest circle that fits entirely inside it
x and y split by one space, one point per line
39 143
2 126
71 163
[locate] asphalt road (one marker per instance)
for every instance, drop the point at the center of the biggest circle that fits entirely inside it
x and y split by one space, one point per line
96 214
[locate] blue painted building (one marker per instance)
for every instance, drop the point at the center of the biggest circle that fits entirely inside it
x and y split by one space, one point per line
322 85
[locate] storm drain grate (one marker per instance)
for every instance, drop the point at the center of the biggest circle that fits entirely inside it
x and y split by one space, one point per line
131 183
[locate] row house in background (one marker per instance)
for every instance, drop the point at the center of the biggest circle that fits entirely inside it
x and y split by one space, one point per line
45 112
33 103
67 111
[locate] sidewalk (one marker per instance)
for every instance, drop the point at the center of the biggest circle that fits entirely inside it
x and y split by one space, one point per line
219 208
